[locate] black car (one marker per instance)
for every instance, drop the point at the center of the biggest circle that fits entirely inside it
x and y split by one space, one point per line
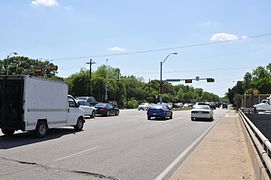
224 106
106 109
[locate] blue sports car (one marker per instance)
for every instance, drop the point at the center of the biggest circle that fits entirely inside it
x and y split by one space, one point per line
160 111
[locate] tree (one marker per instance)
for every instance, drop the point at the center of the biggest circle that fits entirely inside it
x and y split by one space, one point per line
20 65
237 89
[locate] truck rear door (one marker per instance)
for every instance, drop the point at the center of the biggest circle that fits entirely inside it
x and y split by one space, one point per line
11 102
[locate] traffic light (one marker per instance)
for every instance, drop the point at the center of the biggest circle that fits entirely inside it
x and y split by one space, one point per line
210 80
53 68
38 72
188 80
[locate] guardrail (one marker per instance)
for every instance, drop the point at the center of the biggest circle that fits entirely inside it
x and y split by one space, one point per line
262 144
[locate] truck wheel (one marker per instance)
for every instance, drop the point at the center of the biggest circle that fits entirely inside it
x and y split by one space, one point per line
41 129
79 125
93 114
8 132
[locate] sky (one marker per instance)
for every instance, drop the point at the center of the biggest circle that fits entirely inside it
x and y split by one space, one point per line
213 38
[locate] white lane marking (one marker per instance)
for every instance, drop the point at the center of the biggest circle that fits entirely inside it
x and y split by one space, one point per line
183 155
74 154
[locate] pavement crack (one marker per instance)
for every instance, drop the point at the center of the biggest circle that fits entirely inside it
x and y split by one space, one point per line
101 176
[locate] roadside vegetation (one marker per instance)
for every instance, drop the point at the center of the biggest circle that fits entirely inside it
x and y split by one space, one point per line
128 91
256 82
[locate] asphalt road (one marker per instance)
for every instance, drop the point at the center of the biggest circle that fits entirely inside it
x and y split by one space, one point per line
127 146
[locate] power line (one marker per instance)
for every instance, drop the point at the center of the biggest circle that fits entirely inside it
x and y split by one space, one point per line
193 70
163 49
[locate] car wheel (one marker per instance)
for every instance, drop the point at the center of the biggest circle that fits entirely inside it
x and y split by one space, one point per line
41 129
8 132
117 113
107 113
193 119
149 117
93 114
80 124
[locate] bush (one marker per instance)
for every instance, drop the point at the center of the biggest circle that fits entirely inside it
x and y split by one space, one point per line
132 103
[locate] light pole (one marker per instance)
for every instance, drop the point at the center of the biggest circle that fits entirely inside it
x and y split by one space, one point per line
161 78
7 64
90 82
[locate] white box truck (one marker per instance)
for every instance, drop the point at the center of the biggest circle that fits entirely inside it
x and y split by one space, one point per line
35 104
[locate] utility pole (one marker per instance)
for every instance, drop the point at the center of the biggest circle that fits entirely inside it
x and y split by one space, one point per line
7 62
149 85
90 81
118 98
106 95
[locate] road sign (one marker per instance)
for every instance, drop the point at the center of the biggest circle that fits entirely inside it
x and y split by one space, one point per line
173 80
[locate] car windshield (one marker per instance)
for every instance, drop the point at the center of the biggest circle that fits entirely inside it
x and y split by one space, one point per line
100 105
202 107
157 106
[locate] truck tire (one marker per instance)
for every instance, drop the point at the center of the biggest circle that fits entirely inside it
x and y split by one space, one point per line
7 132
41 129
79 125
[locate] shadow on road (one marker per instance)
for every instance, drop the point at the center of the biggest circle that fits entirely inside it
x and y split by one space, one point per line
25 138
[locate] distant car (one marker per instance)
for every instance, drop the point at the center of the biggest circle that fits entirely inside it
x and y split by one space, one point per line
159 111
144 106
106 109
89 111
203 112
92 101
224 106
178 105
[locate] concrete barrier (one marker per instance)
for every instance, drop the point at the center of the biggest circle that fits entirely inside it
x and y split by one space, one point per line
262 122
258 166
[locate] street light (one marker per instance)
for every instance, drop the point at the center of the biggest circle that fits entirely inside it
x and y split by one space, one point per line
161 78
90 64
7 63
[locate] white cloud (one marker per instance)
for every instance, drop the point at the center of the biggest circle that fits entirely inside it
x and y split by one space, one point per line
243 37
224 37
116 49
44 2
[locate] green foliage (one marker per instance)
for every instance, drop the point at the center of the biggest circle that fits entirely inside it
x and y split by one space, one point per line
20 65
132 104
257 82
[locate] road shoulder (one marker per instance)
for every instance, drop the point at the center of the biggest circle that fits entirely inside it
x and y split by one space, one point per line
222 154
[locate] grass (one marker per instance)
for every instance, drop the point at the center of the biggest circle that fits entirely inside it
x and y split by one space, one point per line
182 109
